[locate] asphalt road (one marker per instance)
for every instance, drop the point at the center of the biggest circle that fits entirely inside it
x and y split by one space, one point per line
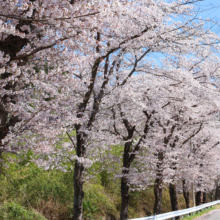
213 215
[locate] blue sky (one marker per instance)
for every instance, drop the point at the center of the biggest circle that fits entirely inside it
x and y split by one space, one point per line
211 9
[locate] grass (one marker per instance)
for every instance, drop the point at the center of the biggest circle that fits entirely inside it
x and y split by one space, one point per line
201 213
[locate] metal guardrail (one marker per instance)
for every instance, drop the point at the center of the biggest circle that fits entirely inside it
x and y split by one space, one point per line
179 213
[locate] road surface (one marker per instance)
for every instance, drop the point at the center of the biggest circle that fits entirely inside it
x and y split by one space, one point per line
213 215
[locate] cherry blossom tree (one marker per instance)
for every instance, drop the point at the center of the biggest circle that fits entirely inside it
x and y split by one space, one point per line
29 32
173 115
161 117
61 61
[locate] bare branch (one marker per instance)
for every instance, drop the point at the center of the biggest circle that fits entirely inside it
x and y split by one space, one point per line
71 140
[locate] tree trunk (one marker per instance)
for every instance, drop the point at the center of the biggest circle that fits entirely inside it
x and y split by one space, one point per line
78 181
158 184
173 198
204 197
217 192
198 198
158 196
125 182
124 198
186 194
1 163
78 178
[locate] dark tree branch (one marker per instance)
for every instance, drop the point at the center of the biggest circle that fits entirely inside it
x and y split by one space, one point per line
193 135
71 140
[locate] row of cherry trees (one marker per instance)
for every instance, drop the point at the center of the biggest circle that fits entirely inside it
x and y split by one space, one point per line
140 74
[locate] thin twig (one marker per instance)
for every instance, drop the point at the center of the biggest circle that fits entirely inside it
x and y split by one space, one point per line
71 140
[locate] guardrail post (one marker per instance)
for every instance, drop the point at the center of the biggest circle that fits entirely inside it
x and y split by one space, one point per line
155 217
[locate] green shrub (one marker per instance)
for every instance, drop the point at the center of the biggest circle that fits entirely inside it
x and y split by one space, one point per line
97 203
12 210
